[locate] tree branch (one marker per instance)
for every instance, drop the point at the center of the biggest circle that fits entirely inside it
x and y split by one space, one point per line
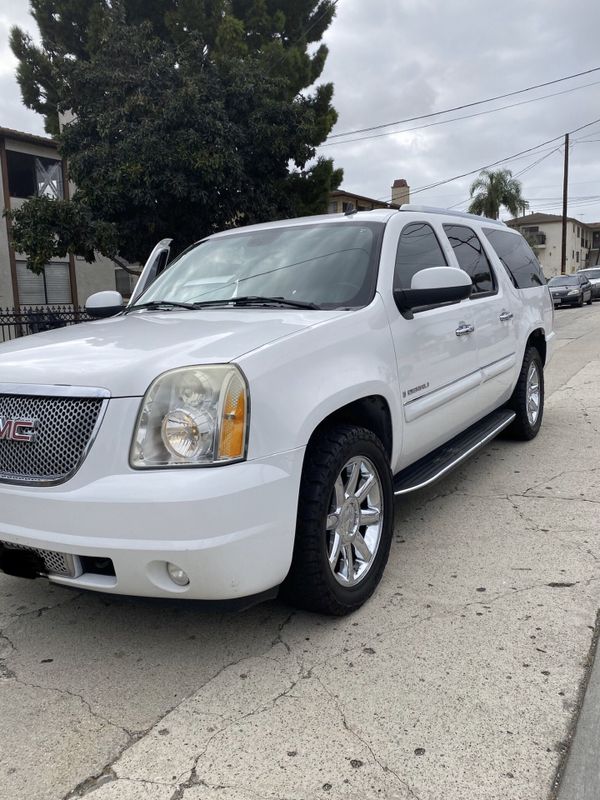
124 265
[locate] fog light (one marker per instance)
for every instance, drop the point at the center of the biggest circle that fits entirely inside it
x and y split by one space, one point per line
177 575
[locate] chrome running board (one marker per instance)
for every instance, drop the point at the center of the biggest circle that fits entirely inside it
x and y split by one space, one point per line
438 463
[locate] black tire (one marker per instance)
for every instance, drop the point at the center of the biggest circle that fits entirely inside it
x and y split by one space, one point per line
580 302
310 583
589 302
522 427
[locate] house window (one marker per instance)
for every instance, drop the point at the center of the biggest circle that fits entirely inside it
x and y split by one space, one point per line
34 176
577 256
347 206
332 209
51 287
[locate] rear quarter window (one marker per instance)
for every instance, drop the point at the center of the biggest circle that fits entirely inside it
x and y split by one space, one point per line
518 258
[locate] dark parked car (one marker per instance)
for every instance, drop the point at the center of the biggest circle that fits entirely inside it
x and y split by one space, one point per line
593 275
570 290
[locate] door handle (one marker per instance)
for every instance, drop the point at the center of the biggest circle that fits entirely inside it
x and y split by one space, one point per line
506 315
463 329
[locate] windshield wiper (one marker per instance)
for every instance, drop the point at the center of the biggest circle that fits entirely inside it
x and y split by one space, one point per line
158 304
257 300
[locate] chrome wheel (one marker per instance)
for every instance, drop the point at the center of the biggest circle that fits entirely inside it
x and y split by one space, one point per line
355 521
533 393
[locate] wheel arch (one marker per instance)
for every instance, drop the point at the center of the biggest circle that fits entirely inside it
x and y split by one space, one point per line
371 412
537 339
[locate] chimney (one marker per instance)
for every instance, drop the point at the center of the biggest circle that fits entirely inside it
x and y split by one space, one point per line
400 192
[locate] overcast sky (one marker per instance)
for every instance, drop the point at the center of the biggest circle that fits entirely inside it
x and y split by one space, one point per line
393 59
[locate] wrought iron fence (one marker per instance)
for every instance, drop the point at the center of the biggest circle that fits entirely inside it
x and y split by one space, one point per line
16 322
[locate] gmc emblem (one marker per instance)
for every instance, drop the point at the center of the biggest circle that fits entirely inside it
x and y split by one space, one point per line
18 430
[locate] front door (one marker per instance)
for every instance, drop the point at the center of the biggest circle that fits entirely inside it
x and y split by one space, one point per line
436 353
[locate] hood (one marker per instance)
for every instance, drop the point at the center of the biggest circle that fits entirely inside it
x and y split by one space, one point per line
124 354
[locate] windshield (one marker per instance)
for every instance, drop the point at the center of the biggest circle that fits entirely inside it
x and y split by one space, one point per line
333 265
591 274
564 280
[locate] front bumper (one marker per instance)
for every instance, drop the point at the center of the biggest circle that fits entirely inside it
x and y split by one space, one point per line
231 528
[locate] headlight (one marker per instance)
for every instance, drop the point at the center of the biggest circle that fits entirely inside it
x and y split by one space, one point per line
194 416
573 291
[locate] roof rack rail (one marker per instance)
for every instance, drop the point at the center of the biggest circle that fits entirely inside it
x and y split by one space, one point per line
451 213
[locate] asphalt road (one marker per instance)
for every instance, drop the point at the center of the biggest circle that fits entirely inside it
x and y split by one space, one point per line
459 679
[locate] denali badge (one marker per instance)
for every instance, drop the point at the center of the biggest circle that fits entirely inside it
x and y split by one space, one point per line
18 430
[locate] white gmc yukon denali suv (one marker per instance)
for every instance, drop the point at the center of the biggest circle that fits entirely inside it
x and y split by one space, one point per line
241 427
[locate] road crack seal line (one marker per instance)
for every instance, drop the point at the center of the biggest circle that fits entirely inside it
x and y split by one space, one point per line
193 779
39 612
381 764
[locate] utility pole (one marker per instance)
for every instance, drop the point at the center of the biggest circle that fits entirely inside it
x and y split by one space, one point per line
563 251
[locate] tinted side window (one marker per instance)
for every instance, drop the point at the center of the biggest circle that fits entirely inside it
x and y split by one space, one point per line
518 258
418 249
471 257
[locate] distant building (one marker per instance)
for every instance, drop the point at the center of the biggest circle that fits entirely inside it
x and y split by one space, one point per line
400 192
594 253
30 166
544 234
340 200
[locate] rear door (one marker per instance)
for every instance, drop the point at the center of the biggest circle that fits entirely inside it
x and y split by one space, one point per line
435 352
493 312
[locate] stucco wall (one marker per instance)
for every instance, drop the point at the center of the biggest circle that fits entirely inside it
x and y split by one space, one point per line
550 255
95 277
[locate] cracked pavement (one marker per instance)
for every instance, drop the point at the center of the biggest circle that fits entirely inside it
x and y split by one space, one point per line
459 679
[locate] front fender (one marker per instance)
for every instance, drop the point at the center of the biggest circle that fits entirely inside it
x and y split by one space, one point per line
296 382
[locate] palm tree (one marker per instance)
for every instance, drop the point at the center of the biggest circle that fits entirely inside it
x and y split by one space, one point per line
493 189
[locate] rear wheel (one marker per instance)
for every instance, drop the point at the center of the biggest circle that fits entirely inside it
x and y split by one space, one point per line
345 522
527 400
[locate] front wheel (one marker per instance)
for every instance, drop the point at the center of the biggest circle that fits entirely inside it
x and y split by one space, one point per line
589 302
580 302
345 522
527 400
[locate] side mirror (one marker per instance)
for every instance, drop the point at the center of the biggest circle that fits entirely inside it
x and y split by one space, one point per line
104 304
432 286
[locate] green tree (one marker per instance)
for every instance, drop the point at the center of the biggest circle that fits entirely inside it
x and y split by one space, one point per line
493 189
187 116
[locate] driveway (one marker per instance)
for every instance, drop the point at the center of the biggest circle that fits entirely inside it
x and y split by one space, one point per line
460 678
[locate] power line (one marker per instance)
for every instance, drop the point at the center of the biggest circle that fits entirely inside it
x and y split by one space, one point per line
513 157
465 105
456 119
521 172
539 161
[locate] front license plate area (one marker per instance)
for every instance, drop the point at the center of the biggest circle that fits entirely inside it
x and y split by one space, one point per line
21 563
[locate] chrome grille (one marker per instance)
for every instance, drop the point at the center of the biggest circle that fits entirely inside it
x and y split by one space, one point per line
55 563
64 428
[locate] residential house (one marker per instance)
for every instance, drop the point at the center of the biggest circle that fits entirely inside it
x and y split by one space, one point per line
594 253
31 166
341 200
544 234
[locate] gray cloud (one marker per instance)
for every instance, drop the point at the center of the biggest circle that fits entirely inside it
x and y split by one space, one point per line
391 59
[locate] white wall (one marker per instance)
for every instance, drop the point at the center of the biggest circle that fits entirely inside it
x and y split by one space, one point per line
95 277
550 255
